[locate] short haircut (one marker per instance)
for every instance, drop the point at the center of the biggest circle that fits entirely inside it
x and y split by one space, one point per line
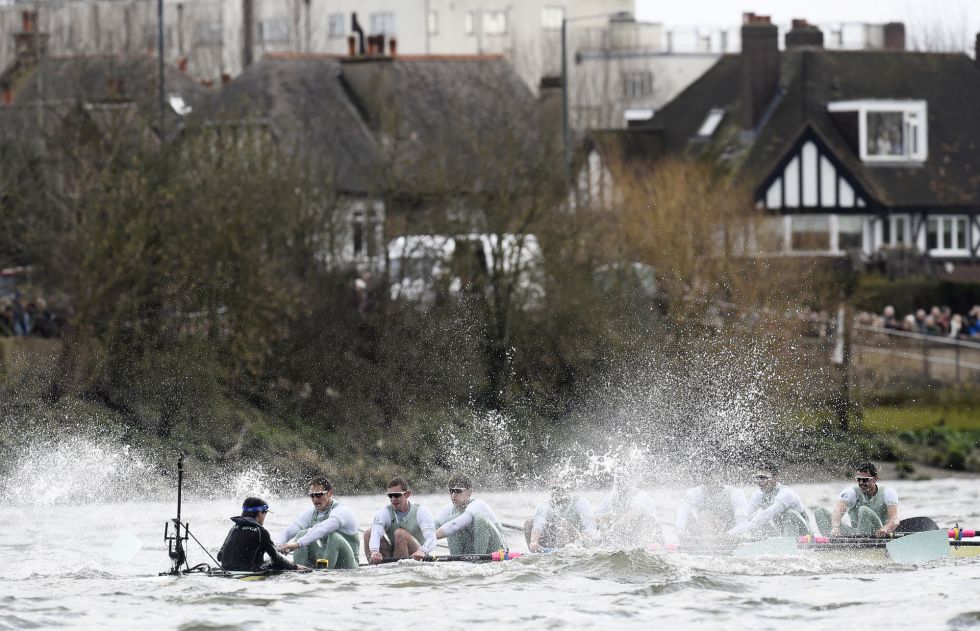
459 481
868 467
399 482
768 467
320 480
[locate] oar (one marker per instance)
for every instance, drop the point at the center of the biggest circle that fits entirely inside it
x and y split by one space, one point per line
512 527
920 547
125 547
916 524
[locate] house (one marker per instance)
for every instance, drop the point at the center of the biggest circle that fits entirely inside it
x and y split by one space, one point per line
866 153
400 141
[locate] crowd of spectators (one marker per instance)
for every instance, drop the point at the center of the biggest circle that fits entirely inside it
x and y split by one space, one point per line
937 321
21 317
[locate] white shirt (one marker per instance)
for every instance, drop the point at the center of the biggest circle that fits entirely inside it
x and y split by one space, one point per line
544 513
785 499
475 507
695 498
341 520
639 501
382 520
849 496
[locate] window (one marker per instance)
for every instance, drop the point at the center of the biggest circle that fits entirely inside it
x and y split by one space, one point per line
895 231
433 24
495 22
336 25
889 131
946 234
850 232
274 31
468 23
551 18
357 229
637 84
810 233
383 23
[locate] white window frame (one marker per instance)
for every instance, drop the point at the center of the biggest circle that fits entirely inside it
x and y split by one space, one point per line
495 23
382 23
943 249
637 84
336 25
275 30
432 22
915 121
892 221
552 18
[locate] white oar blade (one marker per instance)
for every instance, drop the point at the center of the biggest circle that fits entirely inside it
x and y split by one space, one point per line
921 547
124 548
775 546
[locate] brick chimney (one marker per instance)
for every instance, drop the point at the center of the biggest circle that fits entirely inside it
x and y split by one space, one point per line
30 44
895 36
804 34
760 66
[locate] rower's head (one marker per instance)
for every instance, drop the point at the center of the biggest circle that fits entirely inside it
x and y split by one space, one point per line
321 492
460 490
256 508
766 476
560 493
398 494
867 476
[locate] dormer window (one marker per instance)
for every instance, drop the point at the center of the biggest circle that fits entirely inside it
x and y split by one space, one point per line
887 131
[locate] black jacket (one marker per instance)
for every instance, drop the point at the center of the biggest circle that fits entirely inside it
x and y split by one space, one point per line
245 546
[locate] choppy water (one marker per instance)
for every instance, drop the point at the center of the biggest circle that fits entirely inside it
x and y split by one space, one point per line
56 575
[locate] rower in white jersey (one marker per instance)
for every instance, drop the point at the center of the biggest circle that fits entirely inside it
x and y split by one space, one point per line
711 508
327 530
402 529
627 516
469 525
776 510
563 519
871 508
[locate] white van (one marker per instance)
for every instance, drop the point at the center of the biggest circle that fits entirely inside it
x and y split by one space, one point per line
419 266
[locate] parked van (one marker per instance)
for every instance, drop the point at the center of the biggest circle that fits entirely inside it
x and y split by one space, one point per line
422 266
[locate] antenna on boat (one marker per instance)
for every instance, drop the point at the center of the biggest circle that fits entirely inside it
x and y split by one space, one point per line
175 542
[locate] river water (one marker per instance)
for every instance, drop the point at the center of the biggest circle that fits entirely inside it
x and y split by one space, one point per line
56 574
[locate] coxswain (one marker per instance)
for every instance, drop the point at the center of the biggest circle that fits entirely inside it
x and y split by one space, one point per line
325 531
469 525
871 507
248 542
402 529
563 519
775 510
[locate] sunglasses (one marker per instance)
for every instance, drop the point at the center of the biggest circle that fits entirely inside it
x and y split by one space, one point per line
863 480
456 490
392 496
318 494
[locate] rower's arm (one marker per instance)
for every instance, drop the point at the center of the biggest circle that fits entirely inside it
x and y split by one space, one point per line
892 522
322 529
683 514
381 521
428 527
838 514
463 521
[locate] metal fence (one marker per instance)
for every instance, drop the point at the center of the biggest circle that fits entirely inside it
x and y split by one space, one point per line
887 355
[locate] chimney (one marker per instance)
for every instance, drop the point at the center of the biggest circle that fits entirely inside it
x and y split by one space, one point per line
27 19
895 36
356 28
182 65
760 66
393 46
804 34
351 45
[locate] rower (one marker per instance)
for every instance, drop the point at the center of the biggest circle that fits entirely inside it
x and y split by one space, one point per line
628 515
325 531
563 519
872 508
776 509
402 529
248 542
469 525
712 507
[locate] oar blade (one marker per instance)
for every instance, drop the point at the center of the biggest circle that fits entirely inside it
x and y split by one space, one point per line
916 524
774 546
125 547
920 547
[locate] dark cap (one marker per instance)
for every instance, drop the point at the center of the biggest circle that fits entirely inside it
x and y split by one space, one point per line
254 505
